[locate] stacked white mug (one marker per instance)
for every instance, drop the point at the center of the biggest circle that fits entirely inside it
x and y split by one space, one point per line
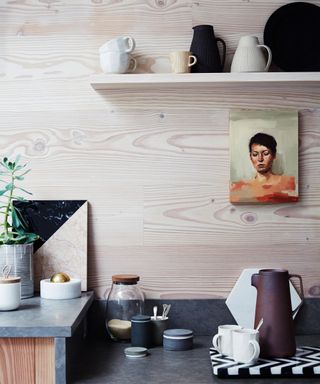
115 55
237 343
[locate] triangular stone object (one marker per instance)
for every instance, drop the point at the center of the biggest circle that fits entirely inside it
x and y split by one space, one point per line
65 251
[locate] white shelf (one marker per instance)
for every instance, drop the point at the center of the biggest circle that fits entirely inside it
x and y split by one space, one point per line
187 80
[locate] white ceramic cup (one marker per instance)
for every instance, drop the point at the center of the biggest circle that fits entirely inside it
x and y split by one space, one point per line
119 44
245 345
222 341
117 62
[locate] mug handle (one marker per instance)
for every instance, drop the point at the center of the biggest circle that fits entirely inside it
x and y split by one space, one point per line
132 65
269 56
224 49
256 351
301 293
131 44
216 342
192 61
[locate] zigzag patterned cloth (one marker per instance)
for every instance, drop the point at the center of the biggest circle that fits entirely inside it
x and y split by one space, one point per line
305 363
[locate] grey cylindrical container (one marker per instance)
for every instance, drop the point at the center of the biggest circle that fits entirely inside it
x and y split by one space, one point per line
177 339
159 325
141 333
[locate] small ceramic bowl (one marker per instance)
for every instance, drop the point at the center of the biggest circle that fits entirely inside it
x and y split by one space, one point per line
60 291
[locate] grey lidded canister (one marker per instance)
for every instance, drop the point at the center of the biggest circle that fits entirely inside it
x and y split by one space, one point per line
141 331
159 325
177 339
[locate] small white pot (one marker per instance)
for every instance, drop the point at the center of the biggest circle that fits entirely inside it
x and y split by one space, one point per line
10 293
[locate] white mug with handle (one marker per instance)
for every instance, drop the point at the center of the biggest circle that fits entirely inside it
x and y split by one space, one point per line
222 341
117 62
124 44
245 345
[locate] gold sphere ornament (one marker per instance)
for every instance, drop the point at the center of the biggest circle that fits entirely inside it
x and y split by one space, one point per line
59 277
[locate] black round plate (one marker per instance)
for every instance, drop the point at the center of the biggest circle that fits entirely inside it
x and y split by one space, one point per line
293 35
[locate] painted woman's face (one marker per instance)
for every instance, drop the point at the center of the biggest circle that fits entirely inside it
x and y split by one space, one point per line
261 158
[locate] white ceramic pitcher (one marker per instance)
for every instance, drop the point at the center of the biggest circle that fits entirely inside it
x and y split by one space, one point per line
249 56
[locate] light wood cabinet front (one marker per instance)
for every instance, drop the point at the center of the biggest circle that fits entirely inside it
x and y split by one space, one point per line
27 361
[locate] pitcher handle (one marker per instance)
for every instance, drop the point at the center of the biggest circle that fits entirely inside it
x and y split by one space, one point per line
224 50
254 279
301 294
269 56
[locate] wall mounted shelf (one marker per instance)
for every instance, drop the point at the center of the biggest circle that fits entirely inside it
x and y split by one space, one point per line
188 80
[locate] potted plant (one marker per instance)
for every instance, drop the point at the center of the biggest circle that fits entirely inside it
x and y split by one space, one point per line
16 243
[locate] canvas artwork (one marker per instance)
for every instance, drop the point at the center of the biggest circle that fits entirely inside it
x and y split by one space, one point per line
264 156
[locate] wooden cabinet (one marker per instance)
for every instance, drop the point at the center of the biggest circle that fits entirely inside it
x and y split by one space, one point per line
27 361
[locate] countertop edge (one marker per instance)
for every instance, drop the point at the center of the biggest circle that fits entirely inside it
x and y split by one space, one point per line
43 331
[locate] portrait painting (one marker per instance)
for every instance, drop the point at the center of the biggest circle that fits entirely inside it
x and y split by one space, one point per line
264 156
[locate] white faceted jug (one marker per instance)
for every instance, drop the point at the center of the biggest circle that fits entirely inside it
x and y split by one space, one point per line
249 56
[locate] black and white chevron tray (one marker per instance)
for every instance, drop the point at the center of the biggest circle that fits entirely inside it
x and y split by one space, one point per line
305 363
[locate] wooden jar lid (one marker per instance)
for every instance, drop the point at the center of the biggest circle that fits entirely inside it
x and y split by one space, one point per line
9 280
127 279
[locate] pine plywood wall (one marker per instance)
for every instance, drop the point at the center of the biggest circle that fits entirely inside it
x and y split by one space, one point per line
153 165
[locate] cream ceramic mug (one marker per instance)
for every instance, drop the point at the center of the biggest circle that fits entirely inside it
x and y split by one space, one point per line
222 341
182 61
245 345
119 44
117 62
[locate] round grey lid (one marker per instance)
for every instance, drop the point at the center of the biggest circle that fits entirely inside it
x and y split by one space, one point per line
178 332
136 351
140 319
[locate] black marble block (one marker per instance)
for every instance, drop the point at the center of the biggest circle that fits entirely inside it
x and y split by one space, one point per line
45 217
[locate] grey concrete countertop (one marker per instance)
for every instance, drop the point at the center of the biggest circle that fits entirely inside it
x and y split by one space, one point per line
37 317
103 362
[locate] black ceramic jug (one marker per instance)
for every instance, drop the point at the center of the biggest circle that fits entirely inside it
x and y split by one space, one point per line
204 47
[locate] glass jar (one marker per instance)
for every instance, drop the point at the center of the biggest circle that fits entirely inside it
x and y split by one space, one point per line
124 300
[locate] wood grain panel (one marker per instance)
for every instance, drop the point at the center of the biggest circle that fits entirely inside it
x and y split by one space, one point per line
17 361
202 271
109 18
172 213
57 95
44 361
154 164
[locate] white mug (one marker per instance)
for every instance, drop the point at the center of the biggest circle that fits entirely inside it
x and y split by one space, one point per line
222 341
245 346
119 44
117 62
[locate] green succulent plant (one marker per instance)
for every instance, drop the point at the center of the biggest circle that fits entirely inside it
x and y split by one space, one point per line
13 225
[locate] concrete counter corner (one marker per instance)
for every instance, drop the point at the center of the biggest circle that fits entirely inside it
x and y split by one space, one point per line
36 339
37 317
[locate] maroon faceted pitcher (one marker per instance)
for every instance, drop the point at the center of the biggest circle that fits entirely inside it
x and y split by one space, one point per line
277 337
